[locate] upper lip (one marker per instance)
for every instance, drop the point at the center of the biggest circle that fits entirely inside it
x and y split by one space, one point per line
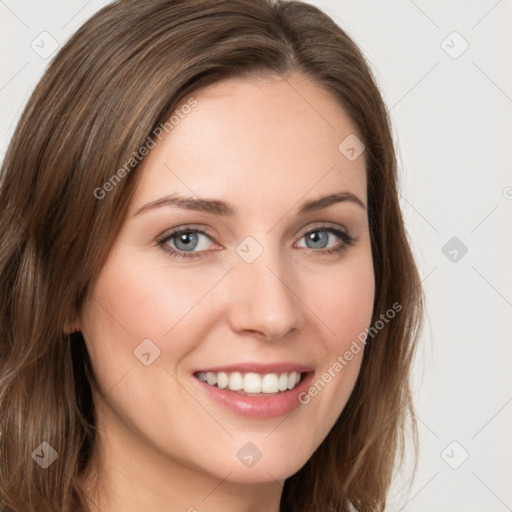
261 368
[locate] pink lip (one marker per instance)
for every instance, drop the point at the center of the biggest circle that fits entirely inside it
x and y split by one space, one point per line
259 368
258 407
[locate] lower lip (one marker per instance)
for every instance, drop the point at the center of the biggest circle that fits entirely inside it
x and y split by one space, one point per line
258 407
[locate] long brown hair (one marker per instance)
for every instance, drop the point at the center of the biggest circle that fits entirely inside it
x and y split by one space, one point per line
112 84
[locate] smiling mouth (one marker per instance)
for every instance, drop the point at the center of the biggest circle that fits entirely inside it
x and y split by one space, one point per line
252 384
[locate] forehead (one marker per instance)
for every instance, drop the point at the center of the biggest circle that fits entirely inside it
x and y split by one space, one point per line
255 140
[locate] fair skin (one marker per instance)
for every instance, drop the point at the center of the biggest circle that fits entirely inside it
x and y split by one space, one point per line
167 445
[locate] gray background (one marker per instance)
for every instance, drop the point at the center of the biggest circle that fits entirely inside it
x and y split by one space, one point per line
451 113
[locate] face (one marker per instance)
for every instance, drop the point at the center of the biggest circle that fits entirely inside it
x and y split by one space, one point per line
246 282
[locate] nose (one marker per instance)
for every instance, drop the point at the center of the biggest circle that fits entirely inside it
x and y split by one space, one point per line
263 298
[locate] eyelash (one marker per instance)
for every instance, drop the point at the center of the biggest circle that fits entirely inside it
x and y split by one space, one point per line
173 253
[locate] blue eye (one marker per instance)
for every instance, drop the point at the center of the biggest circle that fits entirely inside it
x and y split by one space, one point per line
185 241
319 239
190 242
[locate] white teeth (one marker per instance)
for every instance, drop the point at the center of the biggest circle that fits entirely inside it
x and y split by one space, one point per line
270 383
236 381
292 380
211 378
222 380
283 382
251 382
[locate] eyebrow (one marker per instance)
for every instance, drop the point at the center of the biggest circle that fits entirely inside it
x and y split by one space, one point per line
227 209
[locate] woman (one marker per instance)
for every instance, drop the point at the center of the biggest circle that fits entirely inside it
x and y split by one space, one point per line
208 297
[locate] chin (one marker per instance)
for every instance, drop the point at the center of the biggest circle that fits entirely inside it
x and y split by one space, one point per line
272 465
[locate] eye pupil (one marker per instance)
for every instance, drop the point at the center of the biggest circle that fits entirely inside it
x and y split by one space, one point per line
319 236
189 239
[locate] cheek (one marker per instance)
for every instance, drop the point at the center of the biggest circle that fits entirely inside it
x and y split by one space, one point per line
141 298
133 301
342 298
343 303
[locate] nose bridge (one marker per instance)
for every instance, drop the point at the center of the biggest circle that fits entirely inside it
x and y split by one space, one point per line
263 298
